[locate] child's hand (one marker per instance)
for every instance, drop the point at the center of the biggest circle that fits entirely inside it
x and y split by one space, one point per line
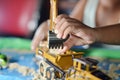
80 34
40 35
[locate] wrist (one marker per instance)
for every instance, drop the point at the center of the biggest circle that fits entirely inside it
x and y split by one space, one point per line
96 35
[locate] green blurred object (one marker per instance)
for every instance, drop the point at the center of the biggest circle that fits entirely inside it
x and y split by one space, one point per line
101 52
24 44
15 43
3 61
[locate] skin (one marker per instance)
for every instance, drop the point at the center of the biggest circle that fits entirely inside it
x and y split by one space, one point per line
81 34
40 35
109 10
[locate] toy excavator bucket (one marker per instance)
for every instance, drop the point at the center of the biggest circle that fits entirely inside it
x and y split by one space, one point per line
54 42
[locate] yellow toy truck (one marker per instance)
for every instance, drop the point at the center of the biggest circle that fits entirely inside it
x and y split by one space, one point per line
68 66
57 62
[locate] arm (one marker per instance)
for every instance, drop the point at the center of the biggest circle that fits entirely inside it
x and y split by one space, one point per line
108 34
81 34
78 11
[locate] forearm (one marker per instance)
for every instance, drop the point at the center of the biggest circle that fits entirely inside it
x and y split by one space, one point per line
109 34
77 12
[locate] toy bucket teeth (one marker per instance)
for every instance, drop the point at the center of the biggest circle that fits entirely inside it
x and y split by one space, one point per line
54 42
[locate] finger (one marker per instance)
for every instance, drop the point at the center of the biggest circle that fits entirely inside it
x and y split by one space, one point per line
63 27
67 45
60 17
77 41
39 35
67 27
34 45
62 51
66 31
59 24
35 42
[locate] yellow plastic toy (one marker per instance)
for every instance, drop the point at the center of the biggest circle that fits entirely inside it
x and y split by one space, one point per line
68 66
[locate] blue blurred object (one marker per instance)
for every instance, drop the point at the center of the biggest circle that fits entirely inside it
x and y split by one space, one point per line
79 48
26 60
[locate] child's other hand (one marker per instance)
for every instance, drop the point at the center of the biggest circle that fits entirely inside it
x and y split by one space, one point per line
40 35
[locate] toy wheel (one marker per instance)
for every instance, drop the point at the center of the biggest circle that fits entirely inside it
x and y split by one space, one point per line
71 71
41 69
58 75
49 73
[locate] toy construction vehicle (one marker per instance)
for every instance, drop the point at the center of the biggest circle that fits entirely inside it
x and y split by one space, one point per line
3 61
67 66
85 69
55 64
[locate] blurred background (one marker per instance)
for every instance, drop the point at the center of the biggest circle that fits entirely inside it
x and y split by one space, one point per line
19 20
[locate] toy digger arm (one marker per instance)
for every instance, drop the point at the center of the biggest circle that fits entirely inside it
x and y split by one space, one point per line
53 13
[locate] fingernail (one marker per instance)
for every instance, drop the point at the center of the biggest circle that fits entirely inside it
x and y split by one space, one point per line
58 36
64 37
56 31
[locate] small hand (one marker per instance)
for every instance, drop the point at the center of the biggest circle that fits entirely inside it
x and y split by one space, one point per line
40 35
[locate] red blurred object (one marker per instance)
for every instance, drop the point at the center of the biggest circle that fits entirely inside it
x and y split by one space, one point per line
15 16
